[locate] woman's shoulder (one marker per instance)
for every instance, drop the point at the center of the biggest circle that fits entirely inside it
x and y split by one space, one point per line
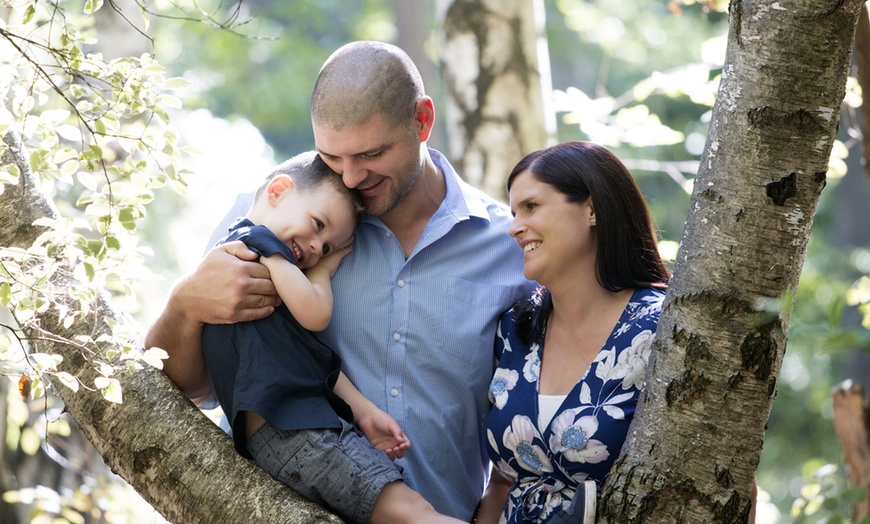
508 340
648 297
645 306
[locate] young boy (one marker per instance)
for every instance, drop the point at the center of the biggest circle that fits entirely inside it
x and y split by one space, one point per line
281 389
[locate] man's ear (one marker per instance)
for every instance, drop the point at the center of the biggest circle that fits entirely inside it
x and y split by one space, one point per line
424 117
278 186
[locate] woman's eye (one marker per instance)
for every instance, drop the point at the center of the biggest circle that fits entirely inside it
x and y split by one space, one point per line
326 250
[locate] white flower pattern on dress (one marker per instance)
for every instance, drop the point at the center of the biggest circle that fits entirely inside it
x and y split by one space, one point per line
586 433
631 363
573 439
502 382
532 369
520 438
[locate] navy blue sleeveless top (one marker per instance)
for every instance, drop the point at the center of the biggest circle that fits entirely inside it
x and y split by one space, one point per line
272 366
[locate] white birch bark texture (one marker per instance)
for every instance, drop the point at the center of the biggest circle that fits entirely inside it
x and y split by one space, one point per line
157 440
695 443
497 80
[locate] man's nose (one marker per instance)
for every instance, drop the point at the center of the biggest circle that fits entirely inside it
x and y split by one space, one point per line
353 173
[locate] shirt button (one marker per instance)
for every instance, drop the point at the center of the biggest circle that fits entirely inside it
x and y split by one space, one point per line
401 283
396 336
389 234
394 392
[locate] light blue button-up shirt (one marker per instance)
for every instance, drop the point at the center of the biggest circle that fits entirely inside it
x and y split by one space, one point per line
416 335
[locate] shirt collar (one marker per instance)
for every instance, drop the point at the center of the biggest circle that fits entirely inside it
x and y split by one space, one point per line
462 200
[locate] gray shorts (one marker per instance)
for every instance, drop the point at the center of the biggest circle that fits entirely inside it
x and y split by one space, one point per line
338 469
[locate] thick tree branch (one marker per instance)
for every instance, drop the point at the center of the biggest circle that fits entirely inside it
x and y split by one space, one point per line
157 440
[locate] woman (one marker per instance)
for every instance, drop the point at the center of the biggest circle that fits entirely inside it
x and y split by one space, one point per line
573 355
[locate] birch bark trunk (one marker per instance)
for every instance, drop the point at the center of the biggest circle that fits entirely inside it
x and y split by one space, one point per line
496 74
696 440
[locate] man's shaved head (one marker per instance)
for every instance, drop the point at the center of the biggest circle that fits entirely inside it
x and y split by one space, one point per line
363 79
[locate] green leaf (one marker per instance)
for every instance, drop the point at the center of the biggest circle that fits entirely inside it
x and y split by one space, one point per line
68 132
69 168
176 82
54 117
85 178
110 388
146 19
89 270
93 5
112 242
28 14
155 357
45 361
67 380
5 294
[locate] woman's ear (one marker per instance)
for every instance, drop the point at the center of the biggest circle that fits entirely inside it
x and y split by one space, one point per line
278 186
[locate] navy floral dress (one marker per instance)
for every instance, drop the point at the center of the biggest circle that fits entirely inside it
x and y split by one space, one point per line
586 434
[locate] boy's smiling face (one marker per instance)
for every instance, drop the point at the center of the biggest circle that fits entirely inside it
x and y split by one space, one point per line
313 221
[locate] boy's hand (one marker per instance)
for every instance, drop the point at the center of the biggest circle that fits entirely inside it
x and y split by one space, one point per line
329 264
384 433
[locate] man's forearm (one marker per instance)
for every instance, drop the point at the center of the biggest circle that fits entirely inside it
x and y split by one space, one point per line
181 337
227 287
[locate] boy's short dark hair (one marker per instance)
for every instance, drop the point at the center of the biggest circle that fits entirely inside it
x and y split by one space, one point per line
308 171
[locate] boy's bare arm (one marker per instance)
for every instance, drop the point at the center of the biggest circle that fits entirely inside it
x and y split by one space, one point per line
379 427
226 288
308 294
309 301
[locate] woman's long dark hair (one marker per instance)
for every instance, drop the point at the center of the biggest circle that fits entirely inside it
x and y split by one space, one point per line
627 254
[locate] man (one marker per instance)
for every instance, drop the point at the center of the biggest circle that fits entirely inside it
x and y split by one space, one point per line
418 298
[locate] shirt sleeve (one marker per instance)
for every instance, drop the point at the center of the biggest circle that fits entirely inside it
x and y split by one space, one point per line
262 241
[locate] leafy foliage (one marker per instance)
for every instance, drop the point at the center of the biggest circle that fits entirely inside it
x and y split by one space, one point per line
98 136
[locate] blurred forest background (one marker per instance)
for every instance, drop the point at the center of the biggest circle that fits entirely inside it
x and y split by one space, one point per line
639 77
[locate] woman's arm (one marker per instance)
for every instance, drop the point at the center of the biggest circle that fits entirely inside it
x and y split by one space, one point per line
494 498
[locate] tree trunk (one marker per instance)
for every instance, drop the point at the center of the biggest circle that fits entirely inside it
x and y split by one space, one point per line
157 440
696 440
496 74
852 425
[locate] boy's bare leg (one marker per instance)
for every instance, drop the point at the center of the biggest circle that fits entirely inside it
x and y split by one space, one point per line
397 503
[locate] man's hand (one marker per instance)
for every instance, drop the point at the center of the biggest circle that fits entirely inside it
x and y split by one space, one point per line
227 287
